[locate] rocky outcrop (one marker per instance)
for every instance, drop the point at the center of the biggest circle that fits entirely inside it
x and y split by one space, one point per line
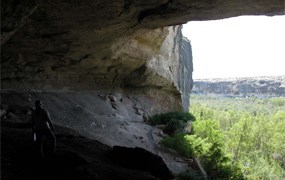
242 87
185 81
116 46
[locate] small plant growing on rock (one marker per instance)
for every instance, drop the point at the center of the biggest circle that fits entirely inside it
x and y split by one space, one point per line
174 122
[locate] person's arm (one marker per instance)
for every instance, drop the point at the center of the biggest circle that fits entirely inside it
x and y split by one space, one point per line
49 121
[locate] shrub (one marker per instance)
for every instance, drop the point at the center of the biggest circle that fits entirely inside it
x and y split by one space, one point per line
166 117
178 143
206 142
173 127
174 121
207 145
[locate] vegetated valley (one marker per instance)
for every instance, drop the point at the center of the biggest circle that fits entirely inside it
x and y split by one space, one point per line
249 134
229 136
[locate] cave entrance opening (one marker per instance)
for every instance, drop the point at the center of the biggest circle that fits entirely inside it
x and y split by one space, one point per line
244 46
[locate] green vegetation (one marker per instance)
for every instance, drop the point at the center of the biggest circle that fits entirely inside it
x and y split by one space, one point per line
175 122
232 138
204 142
253 132
166 117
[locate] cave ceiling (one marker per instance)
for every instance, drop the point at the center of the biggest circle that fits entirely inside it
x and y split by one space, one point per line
48 39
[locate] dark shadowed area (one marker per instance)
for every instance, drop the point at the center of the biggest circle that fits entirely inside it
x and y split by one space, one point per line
76 158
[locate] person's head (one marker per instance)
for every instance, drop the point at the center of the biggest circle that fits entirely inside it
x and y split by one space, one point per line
38 104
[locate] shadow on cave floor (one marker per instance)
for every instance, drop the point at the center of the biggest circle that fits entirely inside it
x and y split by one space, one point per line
76 158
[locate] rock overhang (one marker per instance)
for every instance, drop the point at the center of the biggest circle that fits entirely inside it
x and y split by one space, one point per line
93 45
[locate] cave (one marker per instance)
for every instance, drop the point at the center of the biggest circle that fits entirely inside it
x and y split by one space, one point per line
124 46
101 68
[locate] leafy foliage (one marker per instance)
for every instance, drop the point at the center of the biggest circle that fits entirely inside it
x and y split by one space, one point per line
205 142
179 143
174 122
233 138
253 130
164 118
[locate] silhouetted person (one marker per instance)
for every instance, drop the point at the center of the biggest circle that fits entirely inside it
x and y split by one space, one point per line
42 128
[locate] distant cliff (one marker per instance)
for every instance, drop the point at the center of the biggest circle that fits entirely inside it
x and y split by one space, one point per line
242 87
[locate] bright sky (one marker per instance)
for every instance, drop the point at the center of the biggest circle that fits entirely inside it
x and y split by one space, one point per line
244 46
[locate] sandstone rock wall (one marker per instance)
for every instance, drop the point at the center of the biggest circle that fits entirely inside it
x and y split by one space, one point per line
166 70
151 64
